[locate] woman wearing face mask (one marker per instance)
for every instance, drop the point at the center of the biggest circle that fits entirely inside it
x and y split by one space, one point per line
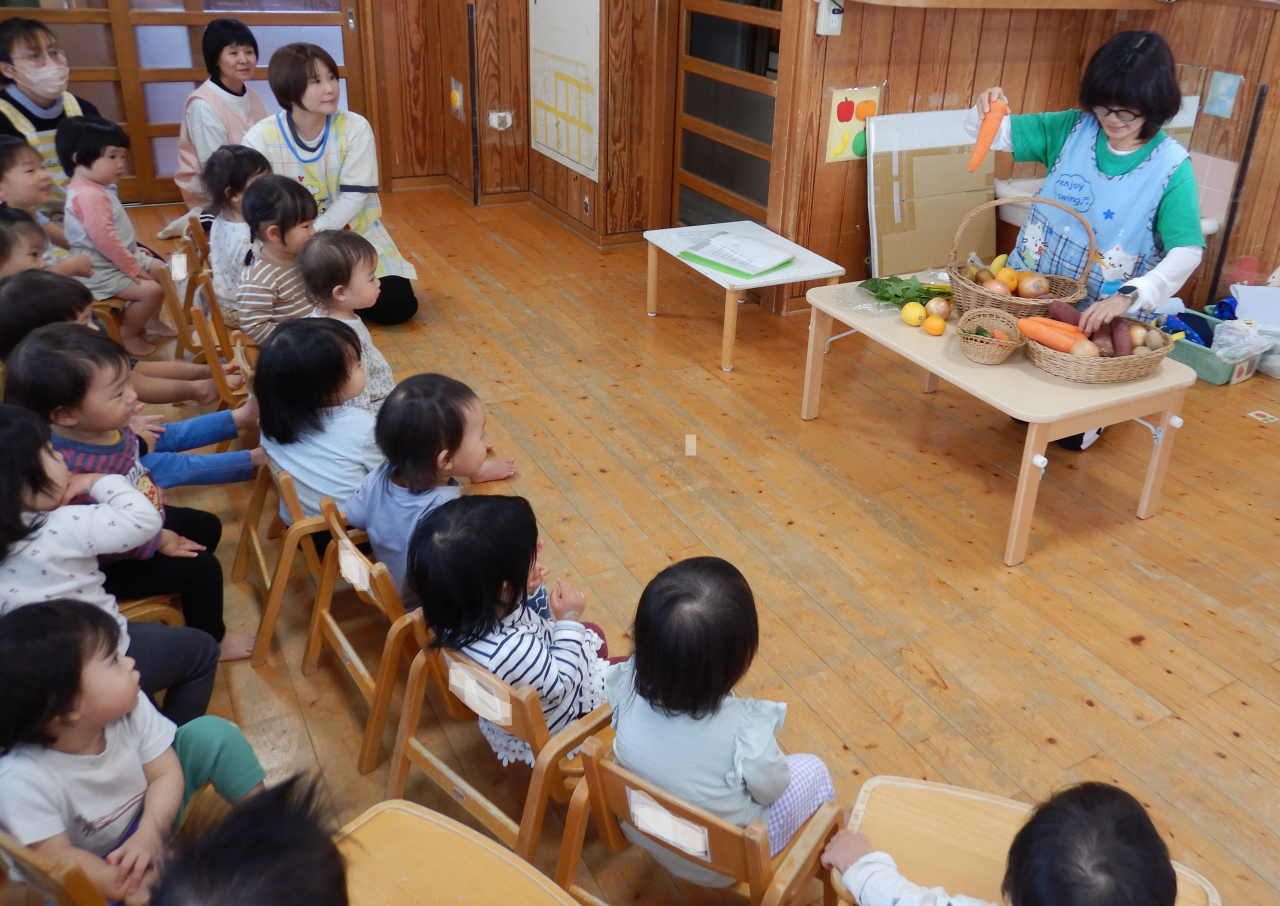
1111 161
217 113
331 152
33 71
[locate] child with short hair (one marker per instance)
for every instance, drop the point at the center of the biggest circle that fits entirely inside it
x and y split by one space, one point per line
680 726
474 565
93 151
431 431
1089 845
26 185
49 549
22 242
306 371
281 215
337 268
227 174
78 379
274 848
89 770
34 298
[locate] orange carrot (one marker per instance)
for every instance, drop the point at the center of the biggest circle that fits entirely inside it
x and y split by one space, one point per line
1036 329
1062 327
987 131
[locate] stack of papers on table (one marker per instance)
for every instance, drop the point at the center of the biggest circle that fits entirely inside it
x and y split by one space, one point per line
738 256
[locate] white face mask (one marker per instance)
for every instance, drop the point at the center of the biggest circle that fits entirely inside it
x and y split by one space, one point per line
47 81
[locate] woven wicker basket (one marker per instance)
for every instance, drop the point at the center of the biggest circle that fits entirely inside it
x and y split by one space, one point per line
1090 370
969 295
988 350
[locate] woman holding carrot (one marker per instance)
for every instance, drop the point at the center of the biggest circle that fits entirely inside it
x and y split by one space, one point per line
1111 161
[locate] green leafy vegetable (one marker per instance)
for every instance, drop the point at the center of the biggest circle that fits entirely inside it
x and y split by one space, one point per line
899 291
979 332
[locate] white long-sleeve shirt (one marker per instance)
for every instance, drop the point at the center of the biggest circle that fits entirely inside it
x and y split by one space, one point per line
61 559
208 133
1157 285
874 881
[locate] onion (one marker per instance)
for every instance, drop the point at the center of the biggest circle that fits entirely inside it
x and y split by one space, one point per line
938 308
1032 285
997 286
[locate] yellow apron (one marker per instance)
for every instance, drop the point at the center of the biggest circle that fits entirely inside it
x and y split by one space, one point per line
43 143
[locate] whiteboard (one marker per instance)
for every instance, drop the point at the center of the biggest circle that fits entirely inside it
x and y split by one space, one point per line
564 82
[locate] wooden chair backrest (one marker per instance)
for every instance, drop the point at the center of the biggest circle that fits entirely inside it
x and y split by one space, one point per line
518 711
199 240
206 302
288 493
687 831
209 343
371 580
958 839
156 609
62 883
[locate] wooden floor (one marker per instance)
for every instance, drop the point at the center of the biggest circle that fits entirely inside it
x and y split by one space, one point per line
1139 653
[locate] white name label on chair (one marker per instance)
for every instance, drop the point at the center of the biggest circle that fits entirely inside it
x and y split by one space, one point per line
652 818
352 567
178 266
478 696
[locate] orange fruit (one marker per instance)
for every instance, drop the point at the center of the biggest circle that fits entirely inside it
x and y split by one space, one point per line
934 326
1009 277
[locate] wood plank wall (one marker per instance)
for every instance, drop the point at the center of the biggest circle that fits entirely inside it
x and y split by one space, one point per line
933 59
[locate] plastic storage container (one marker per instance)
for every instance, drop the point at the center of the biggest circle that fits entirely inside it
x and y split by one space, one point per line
1207 365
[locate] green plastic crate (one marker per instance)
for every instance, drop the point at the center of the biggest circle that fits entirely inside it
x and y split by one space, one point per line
1207 365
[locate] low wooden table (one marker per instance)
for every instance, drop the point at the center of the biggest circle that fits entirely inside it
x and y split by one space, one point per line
806 267
401 854
1052 407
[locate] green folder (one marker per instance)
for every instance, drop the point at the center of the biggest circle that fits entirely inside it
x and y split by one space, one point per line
733 271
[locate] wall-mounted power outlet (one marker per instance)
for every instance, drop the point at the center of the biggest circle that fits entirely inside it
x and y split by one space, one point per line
586 205
500 120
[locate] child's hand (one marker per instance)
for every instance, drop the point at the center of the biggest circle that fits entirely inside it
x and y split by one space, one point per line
136 858
247 415
566 602
74 266
845 848
78 486
258 456
983 101
174 545
144 276
147 427
537 573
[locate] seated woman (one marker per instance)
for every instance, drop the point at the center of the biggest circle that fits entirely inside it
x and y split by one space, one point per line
217 113
34 73
332 153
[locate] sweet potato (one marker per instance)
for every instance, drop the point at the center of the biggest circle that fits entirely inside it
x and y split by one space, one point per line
1102 339
1061 311
1120 337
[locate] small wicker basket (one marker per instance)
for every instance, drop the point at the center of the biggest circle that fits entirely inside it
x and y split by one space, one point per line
969 295
988 350
1091 370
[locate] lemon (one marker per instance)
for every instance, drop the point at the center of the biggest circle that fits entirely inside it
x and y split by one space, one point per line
913 313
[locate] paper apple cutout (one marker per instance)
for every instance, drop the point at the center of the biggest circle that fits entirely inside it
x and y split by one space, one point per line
865 109
845 111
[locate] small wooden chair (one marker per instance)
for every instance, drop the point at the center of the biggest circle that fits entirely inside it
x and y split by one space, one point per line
469 690
251 550
740 853
108 312
199 240
373 584
958 839
177 314
228 397
62 883
156 609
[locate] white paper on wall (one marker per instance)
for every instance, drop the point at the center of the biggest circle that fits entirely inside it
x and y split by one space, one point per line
564 82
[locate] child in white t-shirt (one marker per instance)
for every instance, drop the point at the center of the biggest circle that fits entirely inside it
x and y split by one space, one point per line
227 173
89 770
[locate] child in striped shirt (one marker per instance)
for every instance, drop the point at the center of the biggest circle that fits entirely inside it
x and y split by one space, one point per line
474 564
281 215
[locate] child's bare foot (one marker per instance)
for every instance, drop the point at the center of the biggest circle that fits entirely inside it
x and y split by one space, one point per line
488 447
206 392
236 646
136 346
158 327
495 470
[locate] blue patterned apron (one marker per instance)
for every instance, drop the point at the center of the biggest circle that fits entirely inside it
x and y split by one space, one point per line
1121 210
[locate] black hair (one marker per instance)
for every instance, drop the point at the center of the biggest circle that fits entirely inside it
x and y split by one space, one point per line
81 140
13 149
26 31
291 68
279 201
54 365
423 416
218 36
34 298
43 651
228 171
1090 845
329 259
274 848
469 562
21 473
301 369
1134 71
15 224
695 636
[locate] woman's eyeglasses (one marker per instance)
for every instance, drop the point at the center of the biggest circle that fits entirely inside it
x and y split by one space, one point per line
1124 116
51 55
